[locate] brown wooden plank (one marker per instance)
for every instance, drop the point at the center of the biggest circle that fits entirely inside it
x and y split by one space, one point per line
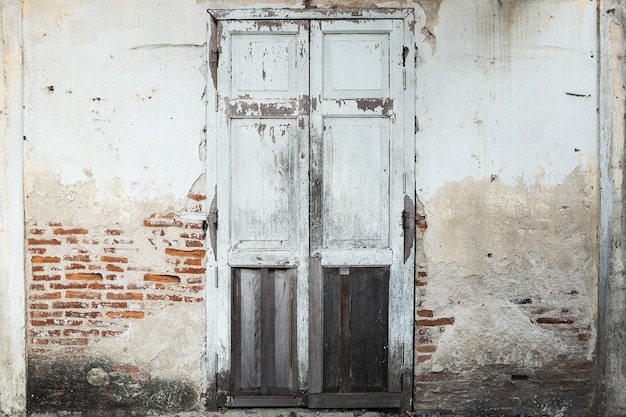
346 357
267 330
283 363
250 336
236 330
369 306
370 400
331 330
315 326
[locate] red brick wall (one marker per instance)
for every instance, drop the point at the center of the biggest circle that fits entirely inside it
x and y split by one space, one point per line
88 284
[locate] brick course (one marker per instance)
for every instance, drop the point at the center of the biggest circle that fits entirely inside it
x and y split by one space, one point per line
88 283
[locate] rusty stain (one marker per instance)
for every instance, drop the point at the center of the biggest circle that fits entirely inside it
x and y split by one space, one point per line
431 10
371 104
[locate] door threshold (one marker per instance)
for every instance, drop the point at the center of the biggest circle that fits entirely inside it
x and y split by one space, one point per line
262 401
356 400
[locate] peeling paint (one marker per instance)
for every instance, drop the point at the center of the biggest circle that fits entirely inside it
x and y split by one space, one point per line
431 9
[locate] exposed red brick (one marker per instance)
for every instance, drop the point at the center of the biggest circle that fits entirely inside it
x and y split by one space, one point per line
84 277
422 274
84 295
71 342
37 231
436 322
124 296
425 313
162 223
74 266
196 197
73 240
75 231
125 314
37 287
46 277
37 250
426 348
109 305
40 306
114 268
194 244
70 286
113 232
554 320
45 296
118 259
111 333
45 314
65 305
95 267
45 259
195 280
193 262
196 236
55 224
33 241
161 278
125 368
423 358
97 286
75 332
197 253
194 299
77 258
164 297
197 226
190 270
83 314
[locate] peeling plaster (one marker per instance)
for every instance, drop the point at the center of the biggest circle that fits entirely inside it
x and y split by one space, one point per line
431 9
489 244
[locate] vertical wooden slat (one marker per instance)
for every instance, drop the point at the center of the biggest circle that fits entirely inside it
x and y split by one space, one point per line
283 372
267 330
250 322
346 367
369 306
332 353
236 329
315 326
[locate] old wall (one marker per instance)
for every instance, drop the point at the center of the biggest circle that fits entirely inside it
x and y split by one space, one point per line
113 161
507 171
507 178
12 340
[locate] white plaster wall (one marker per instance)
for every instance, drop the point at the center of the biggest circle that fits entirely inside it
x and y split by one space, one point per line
114 94
12 335
511 90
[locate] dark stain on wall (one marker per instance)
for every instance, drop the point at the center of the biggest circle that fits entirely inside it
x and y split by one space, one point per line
100 387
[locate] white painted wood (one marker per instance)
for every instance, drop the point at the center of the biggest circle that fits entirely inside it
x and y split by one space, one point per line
262 147
359 114
361 146
309 14
12 291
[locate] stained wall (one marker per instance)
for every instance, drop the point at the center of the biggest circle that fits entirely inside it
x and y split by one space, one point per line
113 138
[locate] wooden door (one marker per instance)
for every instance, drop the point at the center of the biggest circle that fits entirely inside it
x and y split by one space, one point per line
314 165
361 286
262 103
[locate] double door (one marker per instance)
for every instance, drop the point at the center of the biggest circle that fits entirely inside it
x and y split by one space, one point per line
312 225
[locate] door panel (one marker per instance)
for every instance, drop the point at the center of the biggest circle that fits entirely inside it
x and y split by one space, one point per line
264 358
313 152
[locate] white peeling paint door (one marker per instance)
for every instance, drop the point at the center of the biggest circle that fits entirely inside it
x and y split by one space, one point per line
314 159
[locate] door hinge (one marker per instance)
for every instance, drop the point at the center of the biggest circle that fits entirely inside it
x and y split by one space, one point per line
212 224
408 226
405 54
217 277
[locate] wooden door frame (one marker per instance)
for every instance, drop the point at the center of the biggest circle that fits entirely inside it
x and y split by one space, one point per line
218 294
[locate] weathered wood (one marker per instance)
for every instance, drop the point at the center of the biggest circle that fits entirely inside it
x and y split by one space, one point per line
283 346
369 292
268 313
370 400
250 325
332 326
316 345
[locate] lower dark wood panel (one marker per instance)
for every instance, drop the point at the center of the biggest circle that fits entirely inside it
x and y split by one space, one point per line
356 400
264 401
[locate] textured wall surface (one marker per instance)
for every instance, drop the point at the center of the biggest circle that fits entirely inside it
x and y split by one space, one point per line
507 179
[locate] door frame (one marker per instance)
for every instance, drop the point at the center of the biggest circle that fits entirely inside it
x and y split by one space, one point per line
218 293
